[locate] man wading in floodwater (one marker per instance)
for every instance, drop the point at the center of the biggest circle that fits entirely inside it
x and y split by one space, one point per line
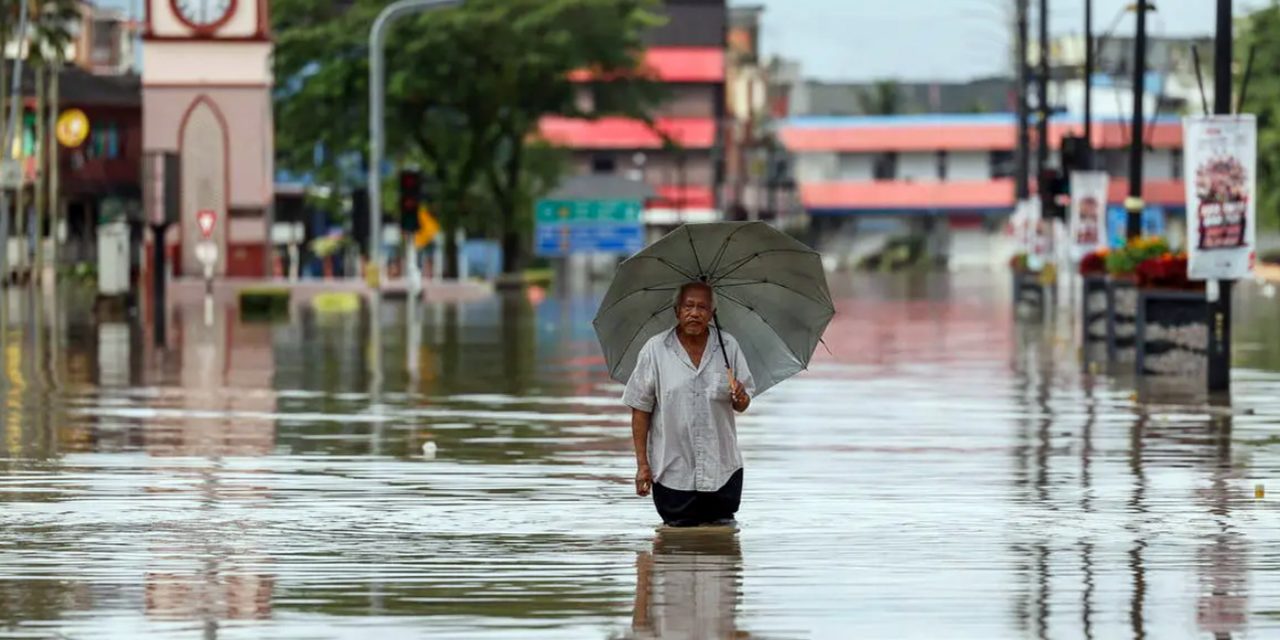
682 402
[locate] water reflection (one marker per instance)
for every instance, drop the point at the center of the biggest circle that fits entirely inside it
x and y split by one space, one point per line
689 586
939 463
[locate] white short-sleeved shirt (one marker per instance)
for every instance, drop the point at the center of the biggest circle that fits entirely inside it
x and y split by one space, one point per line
693 440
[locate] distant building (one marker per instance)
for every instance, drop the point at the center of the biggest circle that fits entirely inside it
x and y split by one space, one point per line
677 156
988 95
910 173
1170 82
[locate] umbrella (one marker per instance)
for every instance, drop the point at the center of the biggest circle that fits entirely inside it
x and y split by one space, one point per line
770 293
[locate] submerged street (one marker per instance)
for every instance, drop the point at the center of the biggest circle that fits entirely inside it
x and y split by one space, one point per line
941 470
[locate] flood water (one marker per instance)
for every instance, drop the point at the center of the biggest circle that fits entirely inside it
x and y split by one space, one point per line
942 472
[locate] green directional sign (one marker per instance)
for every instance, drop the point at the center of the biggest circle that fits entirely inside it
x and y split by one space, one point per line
588 226
588 211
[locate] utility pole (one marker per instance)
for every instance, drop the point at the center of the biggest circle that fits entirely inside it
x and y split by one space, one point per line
1134 204
1220 305
1042 98
1022 154
1088 84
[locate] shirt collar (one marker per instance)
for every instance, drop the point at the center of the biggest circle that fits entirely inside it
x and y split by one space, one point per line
672 343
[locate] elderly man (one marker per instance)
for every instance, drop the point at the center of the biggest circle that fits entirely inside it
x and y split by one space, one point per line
682 402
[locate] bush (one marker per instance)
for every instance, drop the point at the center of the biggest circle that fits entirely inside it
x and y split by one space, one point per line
264 303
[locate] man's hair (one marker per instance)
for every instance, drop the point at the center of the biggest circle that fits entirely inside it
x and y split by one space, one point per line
690 286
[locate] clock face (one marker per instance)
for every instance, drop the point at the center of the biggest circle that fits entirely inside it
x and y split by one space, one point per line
204 13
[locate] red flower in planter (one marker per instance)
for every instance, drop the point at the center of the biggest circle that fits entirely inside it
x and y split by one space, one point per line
1094 264
1167 271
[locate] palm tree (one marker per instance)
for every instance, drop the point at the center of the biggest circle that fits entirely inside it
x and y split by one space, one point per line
52 22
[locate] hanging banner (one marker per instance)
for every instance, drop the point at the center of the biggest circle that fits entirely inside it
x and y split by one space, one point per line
1036 239
1220 171
1087 222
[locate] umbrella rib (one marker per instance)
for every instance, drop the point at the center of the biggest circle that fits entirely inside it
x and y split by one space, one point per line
694 249
744 261
672 287
766 321
825 303
669 264
633 336
715 264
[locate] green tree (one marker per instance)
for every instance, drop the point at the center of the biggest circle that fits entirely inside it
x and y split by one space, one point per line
466 89
52 27
882 98
1261 32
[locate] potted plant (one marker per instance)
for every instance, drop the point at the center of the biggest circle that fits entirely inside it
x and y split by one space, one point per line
1095 311
1018 263
1172 333
1122 293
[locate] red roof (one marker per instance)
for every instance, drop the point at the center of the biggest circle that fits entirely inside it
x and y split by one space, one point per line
908 195
690 196
623 133
985 194
674 64
968 137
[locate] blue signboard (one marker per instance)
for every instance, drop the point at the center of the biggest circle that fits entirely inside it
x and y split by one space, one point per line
1153 218
563 227
562 240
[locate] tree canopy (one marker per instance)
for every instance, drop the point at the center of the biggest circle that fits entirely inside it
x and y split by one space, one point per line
466 89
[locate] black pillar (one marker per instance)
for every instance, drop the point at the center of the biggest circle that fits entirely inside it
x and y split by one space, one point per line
1042 110
158 271
1134 204
1220 309
1088 84
1024 139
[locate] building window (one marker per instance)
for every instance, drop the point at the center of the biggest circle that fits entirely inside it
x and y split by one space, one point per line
603 164
942 166
1003 164
885 166
1175 163
104 141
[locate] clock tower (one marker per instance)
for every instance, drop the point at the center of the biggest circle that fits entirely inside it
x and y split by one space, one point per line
206 96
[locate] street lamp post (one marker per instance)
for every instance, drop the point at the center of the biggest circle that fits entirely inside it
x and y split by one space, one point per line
1220 304
377 108
1134 204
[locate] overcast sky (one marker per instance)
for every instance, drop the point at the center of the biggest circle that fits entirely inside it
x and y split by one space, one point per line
942 39
929 39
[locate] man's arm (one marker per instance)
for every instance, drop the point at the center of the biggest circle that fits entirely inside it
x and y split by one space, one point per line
640 421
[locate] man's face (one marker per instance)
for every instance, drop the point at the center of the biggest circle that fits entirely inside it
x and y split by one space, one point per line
694 312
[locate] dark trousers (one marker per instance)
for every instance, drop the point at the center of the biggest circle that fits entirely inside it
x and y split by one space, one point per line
694 508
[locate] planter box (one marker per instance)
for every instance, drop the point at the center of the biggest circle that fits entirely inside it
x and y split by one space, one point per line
1094 319
1122 319
1172 337
1029 295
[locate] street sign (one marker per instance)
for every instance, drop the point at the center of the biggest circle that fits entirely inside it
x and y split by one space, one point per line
563 227
428 228
205 220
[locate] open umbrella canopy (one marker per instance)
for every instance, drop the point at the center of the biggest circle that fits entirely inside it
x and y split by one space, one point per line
770 293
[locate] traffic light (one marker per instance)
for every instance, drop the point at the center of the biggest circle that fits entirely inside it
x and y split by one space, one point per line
1075 153
410 199
1053 188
